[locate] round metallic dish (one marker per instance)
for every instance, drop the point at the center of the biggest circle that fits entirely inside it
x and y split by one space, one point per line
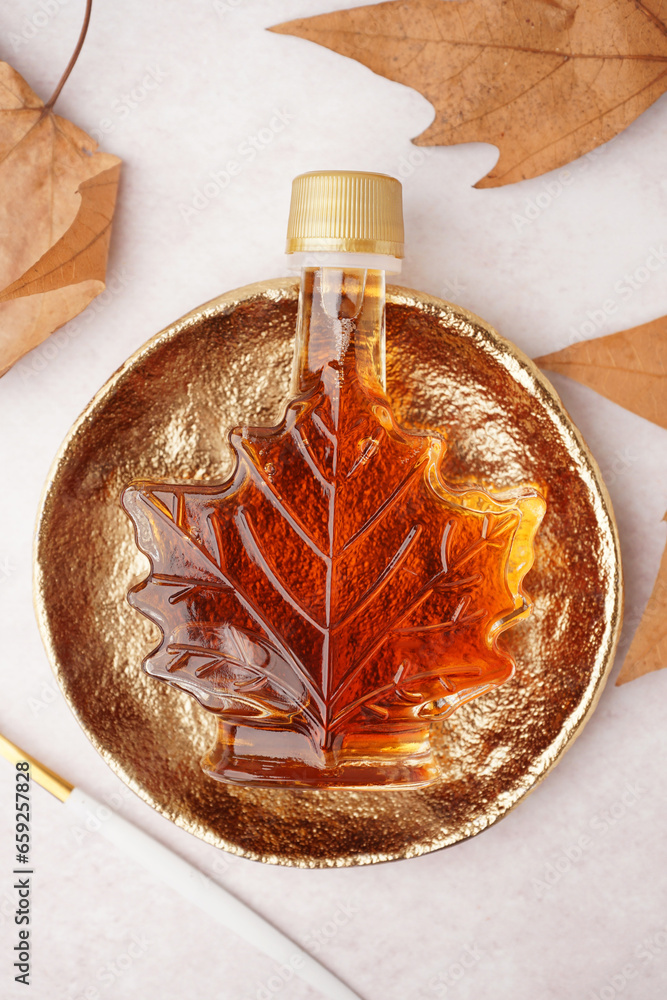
165 414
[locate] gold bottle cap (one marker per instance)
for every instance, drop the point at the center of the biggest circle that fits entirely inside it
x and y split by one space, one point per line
346 211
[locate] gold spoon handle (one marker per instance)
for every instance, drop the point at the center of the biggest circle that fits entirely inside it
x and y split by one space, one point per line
48 779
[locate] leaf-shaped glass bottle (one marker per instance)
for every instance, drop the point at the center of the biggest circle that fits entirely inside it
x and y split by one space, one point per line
335 595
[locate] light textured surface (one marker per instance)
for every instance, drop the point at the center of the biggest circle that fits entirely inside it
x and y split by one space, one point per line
566 896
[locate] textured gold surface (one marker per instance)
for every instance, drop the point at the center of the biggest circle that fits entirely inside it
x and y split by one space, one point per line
165 413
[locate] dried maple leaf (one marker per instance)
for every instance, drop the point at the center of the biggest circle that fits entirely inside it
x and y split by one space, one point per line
57 197
335 580
544 81
81 253
630 368
648 650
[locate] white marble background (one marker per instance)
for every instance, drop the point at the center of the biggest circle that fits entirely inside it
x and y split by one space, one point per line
519 913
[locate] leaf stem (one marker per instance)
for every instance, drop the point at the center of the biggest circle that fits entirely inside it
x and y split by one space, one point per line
75 55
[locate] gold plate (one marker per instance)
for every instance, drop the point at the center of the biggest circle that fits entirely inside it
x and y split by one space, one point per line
165 414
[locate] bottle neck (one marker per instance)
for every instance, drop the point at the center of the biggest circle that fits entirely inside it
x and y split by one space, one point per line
340 328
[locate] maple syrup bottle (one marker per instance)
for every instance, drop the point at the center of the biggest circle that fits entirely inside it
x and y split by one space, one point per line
335 595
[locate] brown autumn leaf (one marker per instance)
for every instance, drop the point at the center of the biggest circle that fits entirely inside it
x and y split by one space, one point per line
57 197
648 650
629 367
543 80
